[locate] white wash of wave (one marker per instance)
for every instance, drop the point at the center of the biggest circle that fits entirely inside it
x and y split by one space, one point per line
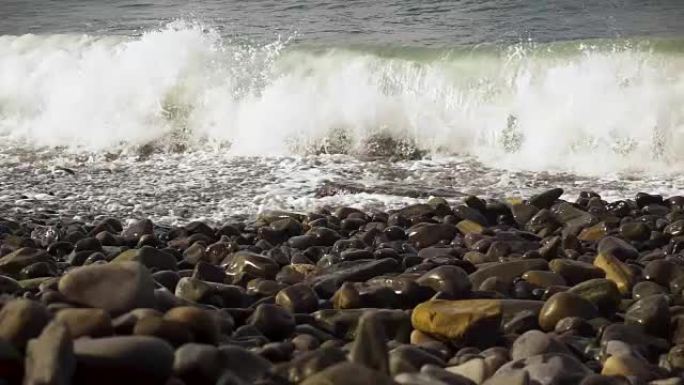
592 110
93 93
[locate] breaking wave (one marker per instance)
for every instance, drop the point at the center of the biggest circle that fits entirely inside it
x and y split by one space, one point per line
592 106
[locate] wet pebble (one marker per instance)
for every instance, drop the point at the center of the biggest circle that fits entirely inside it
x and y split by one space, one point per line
487 291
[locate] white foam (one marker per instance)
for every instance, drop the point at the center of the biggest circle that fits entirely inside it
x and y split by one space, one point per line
588 110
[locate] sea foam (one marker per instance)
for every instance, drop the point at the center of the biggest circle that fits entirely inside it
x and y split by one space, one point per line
589 107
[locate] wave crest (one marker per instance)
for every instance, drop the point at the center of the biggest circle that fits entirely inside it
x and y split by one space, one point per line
614 106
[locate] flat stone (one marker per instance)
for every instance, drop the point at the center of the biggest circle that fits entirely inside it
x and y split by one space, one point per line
457 319
116 288
123 359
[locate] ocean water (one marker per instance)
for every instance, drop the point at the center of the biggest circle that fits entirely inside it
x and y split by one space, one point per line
182 110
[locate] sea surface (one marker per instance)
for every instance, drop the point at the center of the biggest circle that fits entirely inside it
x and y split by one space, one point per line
183 110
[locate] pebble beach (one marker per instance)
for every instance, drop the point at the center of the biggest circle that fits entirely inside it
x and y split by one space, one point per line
519 291
367 192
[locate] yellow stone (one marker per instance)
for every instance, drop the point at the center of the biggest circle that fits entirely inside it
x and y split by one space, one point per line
626 364
476 258
269 216
564 304
467 226
544 278
514 201
304 268
616 271
419 338
33 283
86 322
453 319
347 297
593 233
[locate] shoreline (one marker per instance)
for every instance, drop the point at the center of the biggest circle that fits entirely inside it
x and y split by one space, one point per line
174 190
493 292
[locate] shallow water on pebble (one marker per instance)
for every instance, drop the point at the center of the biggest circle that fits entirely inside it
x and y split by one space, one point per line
503 97
173 188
